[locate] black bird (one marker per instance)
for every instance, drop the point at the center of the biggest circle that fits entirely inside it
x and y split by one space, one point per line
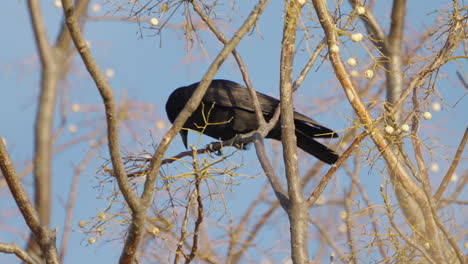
229 111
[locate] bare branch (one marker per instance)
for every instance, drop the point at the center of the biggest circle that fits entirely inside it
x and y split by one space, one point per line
450 239
422 176
273 178
408 240
183 230
73 194
13 248
453 166
253 233
298 212
393 48
40 34
326 179
134 236
200 212
107 95
458 189
330 240
297 83
44 117
44 236
392 161
372 25
237 231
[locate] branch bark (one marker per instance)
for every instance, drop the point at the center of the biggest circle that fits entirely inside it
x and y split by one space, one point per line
43 235
71 18
51 74
393 46
298 212
44 117
13 248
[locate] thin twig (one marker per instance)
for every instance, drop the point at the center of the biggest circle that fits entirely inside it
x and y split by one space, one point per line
183 230
329 175
373 27
449 238
458 189
443 185
200 213
238 231
72 197
408 240
323 232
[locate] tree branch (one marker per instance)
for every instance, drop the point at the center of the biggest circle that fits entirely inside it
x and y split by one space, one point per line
400 173
44 236
326 179
392 49
373 27
273 178
453 166
44 116
107 95
297 211
13 248
138 211
137 225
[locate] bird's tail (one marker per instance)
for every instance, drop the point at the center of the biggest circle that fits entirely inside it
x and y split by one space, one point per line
315 148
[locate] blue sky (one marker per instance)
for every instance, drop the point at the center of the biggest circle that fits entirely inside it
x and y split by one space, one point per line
146 70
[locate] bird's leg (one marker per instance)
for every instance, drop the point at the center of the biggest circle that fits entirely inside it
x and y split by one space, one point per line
215 147
239 141
219 152
212 148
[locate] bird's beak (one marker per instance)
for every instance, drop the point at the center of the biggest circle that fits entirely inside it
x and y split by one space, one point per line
183 135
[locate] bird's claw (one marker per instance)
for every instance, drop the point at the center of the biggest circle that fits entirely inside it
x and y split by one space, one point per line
238 141
211 148
239 145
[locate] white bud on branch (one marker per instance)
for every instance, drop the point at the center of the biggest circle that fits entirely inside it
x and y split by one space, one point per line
334 48
357 37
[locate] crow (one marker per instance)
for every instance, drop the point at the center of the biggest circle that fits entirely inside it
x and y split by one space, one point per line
227 111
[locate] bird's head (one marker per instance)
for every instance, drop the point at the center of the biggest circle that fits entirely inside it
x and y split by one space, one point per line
174 105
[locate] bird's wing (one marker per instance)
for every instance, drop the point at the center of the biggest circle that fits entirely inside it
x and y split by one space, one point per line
230 94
